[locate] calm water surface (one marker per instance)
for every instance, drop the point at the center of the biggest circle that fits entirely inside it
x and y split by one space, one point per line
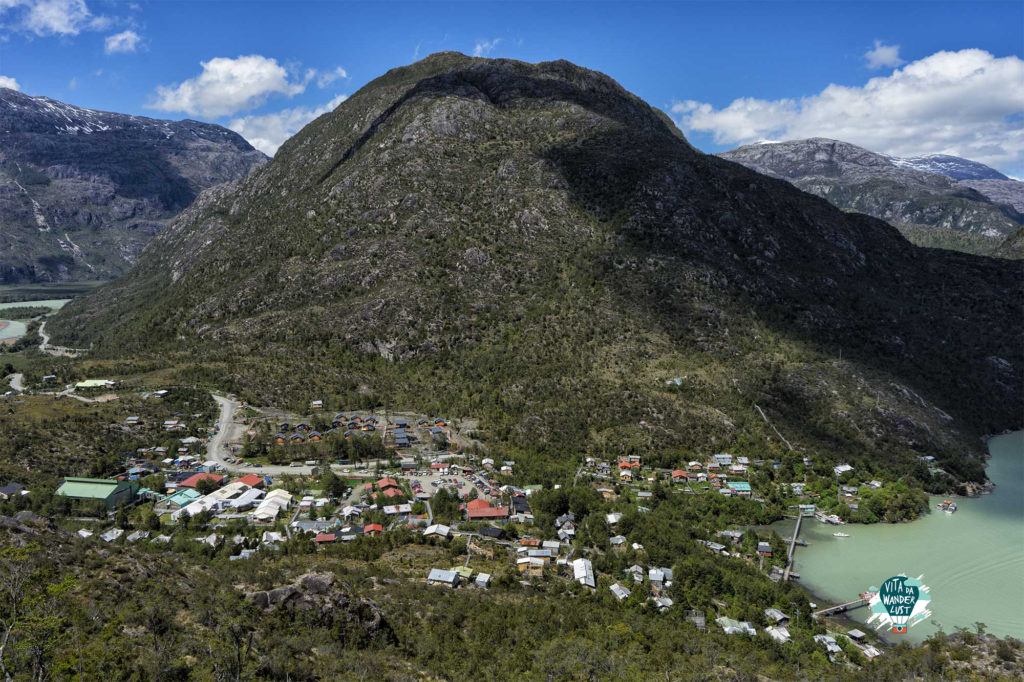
972 560
15 329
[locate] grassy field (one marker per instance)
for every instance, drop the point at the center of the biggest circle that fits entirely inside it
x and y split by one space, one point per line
10 293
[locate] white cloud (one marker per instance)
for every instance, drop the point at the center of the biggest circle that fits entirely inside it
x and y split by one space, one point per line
327 77
8 82
52 17
227 86
267 132
484 47
125 41
967 103
883 55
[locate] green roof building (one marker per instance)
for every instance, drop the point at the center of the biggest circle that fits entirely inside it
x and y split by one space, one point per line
112 493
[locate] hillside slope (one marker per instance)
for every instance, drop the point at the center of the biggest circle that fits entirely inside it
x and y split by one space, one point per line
82 191
535 246
921 193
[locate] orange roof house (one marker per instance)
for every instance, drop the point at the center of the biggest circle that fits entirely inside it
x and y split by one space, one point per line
487 512
251 480
386 483
679 475
373 529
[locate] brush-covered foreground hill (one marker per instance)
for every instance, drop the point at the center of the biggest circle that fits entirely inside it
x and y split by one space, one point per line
535 246
942 194
82 191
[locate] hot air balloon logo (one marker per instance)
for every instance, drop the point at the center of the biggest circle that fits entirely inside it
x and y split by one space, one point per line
901 602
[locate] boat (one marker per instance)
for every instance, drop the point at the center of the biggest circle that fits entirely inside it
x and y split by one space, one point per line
950 508
840 535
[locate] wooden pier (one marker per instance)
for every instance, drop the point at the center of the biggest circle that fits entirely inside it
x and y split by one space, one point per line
840 608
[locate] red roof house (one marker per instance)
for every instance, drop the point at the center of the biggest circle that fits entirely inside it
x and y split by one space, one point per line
386 483
324 537
373 529
191 481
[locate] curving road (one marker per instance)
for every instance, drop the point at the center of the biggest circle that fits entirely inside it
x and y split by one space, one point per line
17 382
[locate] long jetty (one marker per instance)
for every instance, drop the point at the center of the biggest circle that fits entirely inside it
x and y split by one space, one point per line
839 608
792 548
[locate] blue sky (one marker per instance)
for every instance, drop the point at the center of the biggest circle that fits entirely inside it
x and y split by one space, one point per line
945 74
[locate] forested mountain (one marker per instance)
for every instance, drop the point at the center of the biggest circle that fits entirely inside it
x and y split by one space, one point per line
537 247
82 191
936 200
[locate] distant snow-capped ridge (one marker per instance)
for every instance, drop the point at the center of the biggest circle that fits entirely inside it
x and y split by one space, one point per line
951 166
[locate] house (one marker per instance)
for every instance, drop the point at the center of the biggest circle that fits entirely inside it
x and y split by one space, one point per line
775 616
303 426
132 421
619 591
779 633
764 549
662 603
271 505
617 540
722 460
660 577
492 532
530 565
324 538
856 635
440 530
694 466
49 378
111 535
679 476
875 484
113 494
483 580
830 643
297 438
315 436
734 536
735 627
583 573
252 480
483 510
714 546
271 537
613 518
194 479
544 555
401 424
373 529
842 469
741 488
386 483
179 500
95 383
10 490
316 405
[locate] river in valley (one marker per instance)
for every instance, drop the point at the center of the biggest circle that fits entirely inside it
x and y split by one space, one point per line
972 561
14 329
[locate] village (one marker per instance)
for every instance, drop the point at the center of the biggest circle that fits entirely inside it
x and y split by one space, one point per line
279 479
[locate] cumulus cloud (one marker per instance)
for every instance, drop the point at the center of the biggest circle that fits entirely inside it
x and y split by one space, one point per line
967 103
125 41
226 86
327 77
8 82
267 132
882 55
484 47
52 17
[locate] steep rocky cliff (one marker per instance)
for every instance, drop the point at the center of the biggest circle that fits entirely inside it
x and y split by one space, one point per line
82 191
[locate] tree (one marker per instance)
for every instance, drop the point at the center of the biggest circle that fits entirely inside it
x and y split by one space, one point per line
33 611
205 486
